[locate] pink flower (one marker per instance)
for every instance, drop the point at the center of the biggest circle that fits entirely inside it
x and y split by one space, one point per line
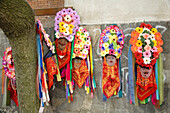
147 41
146 36
111 52
88 47
147 48
147 54
140 49
154 49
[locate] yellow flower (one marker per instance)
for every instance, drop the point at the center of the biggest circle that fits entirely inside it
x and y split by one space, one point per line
81 45
76 45
107 51
71 26
115 38
154 30
70 31
139 43
62 29
112 31
116 53
139 30
118 46
61 24
83 42
155 42
73 55
103 53
106 45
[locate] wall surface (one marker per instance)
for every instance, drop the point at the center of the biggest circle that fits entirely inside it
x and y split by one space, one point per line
120 11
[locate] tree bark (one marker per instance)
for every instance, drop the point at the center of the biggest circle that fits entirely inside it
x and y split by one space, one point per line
18 23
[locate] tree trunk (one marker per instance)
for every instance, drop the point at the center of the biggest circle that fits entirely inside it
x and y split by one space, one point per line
18 23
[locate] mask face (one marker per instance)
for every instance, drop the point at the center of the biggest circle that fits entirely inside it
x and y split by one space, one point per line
145 72
110 60
77 63
62 42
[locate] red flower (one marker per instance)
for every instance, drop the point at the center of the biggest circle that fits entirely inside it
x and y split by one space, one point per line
155 55
143 25
153 61
148 26
138 55
139 61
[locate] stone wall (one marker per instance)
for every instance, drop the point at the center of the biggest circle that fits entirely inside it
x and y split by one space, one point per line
83 103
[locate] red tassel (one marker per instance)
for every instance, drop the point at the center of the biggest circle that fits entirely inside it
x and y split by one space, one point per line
157 104
71 97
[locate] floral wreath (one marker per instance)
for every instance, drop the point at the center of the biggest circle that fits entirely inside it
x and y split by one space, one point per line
111 41
66 24
8 63
146 44
82 43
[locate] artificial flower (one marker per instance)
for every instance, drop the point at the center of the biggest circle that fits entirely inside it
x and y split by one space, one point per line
160 42
76 45
103 53
146 35
139 61
153 61
147 42
155 54
133 41
73 56
81 46
139 30
105 39
134 48
88 38
57 35
107 51
82 37
159 49
84 56
78 33
70 31
158 35
71 26
85 51
147 60
68 18
115 38
116 53
140 49
148 26
86 47
111 46
84 30
138 55
62 29
80 29
106 45
134 34
61 24
88 42
147 48
84 42
86 34
152 37
139 43
154 30
143 25
111 52
155 43
66 26
154 49
112 31
147 54
66 32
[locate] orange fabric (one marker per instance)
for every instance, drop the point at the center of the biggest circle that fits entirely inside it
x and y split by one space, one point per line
80 75
111 81
13 93
145 86
66 53
3 76
51 70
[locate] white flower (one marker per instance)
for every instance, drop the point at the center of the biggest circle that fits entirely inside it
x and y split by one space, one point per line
80 29
85 51
67 18
152 37
66 26
88 43
73 55
147 60
71 38
86 34
66 32
57 35
146 29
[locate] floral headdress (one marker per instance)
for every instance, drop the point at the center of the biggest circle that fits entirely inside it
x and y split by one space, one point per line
146 44
81 43
112 41
8 64
66 24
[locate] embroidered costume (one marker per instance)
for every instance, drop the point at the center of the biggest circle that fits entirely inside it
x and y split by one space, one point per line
82 63
8 77
143 59
111 45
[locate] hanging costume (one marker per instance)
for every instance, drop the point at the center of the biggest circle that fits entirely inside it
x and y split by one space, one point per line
111 45
8 78
82 64
66 24
41 81
144 62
